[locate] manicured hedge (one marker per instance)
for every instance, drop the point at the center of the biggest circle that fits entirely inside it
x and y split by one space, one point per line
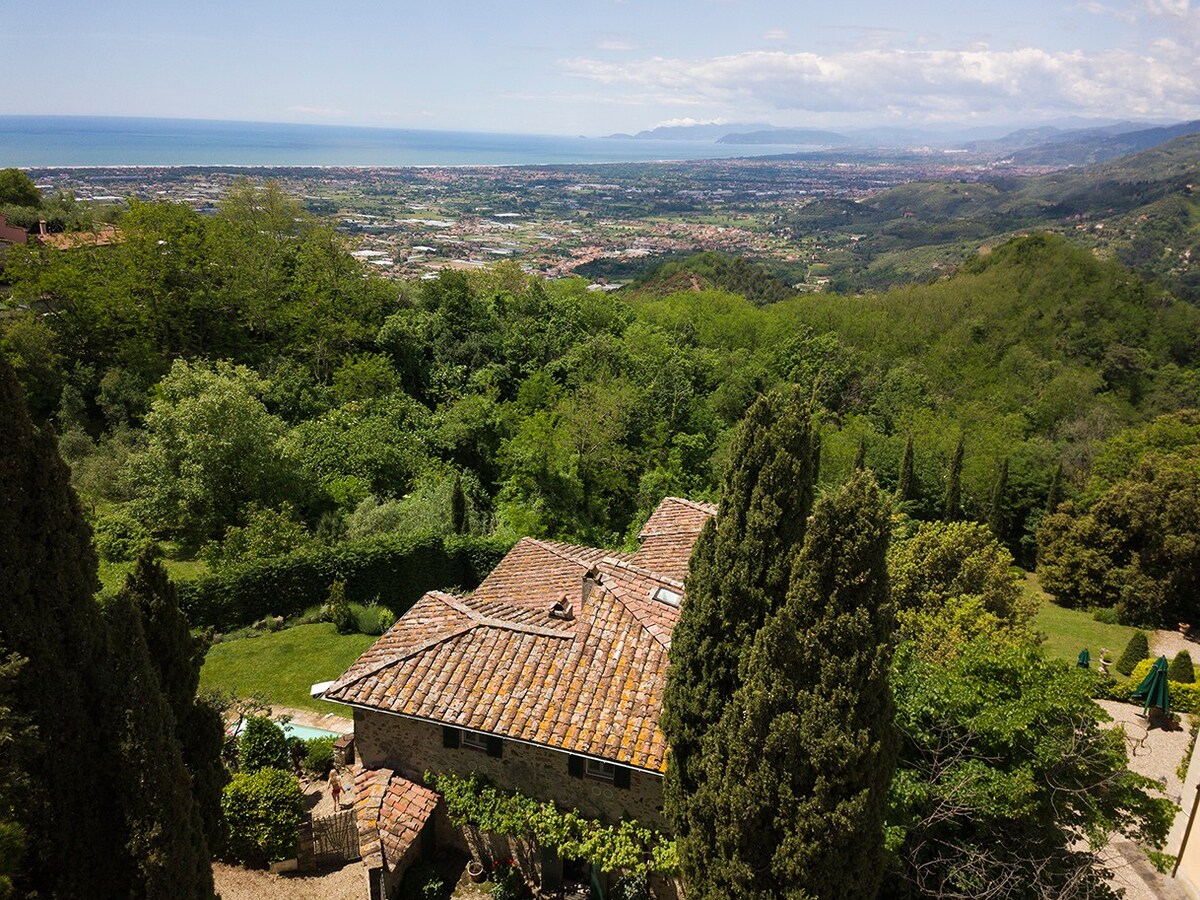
396 569
1185 698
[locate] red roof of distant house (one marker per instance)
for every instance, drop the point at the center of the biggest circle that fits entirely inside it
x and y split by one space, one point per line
70 240
561 645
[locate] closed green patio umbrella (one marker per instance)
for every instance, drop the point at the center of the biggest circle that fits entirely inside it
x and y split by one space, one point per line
1153 689
1085 660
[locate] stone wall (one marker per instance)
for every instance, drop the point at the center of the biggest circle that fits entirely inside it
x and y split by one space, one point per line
413 748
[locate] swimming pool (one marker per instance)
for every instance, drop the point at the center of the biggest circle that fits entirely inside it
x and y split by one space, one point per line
304 732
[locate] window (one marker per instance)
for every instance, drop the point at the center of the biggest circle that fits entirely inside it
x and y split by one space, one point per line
454 738
610 773
474 741
601 771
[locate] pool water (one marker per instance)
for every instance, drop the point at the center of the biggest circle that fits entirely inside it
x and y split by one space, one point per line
304 732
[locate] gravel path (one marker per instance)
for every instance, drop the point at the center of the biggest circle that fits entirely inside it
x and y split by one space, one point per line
1156 754
235 883
1168 643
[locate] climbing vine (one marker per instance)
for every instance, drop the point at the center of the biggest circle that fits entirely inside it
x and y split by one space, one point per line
627 847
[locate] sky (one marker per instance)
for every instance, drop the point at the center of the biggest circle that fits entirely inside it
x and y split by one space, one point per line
598 66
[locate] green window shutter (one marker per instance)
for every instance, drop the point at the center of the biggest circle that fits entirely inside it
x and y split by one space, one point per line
451 737
495 746
621 777
575 766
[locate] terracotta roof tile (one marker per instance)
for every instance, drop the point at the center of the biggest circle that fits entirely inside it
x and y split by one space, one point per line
390 812
669 534
499 662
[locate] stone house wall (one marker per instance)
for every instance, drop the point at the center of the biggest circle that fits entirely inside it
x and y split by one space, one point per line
412 747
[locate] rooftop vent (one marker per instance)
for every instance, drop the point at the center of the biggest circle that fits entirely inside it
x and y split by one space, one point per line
562 609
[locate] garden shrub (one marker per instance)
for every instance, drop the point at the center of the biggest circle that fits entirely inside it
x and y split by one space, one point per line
1105 615
318 755
1136 650
398 569
1181 668
337 610
119 537
262 745
1185 698
262 813
371 618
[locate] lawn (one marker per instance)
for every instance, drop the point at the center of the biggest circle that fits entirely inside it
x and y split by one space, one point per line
1070 630
280 667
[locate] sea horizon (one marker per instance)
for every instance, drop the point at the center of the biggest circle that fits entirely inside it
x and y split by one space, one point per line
35 142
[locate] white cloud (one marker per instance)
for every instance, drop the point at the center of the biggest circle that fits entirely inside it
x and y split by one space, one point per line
1100 9
688 120
1167 7
776 34
925 84
614 44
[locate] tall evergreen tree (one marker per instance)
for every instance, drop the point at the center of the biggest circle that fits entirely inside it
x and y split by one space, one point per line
860 455
905 486
165 837
799 766
1054 494
998 508
177 656
458 507
739 575
84 834
15 738
952 503
74 848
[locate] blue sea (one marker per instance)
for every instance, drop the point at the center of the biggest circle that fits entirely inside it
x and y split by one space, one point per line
37 141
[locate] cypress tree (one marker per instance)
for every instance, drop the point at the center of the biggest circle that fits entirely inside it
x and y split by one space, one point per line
739 574
165 837
93 700
904 486
177 657
74 843
952 503
998 509
458 507
15 738
860 455
799 766
1181 668
1135 651
1054 495
816 457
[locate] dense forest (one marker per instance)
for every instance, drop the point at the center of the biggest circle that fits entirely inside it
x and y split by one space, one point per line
239 387
240 395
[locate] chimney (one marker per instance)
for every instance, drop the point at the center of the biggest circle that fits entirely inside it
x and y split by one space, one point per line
42 227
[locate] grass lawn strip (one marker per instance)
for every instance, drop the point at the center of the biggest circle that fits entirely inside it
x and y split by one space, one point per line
283 665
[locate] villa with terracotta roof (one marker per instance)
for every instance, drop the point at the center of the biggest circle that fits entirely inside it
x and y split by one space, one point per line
547 680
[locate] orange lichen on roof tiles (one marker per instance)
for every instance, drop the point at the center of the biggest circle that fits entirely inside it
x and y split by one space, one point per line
499 662
390 812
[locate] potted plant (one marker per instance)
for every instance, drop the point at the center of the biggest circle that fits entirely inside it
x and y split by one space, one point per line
475 871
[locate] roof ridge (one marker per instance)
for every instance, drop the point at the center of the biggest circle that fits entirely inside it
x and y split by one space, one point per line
639 570
701 505
560 550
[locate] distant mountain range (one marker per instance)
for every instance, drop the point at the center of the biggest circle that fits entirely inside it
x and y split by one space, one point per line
1142 207
786 136
1068 142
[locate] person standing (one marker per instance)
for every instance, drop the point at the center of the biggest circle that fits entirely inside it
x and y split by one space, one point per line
335 788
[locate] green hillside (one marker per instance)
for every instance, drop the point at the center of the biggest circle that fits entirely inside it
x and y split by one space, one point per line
1141 208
